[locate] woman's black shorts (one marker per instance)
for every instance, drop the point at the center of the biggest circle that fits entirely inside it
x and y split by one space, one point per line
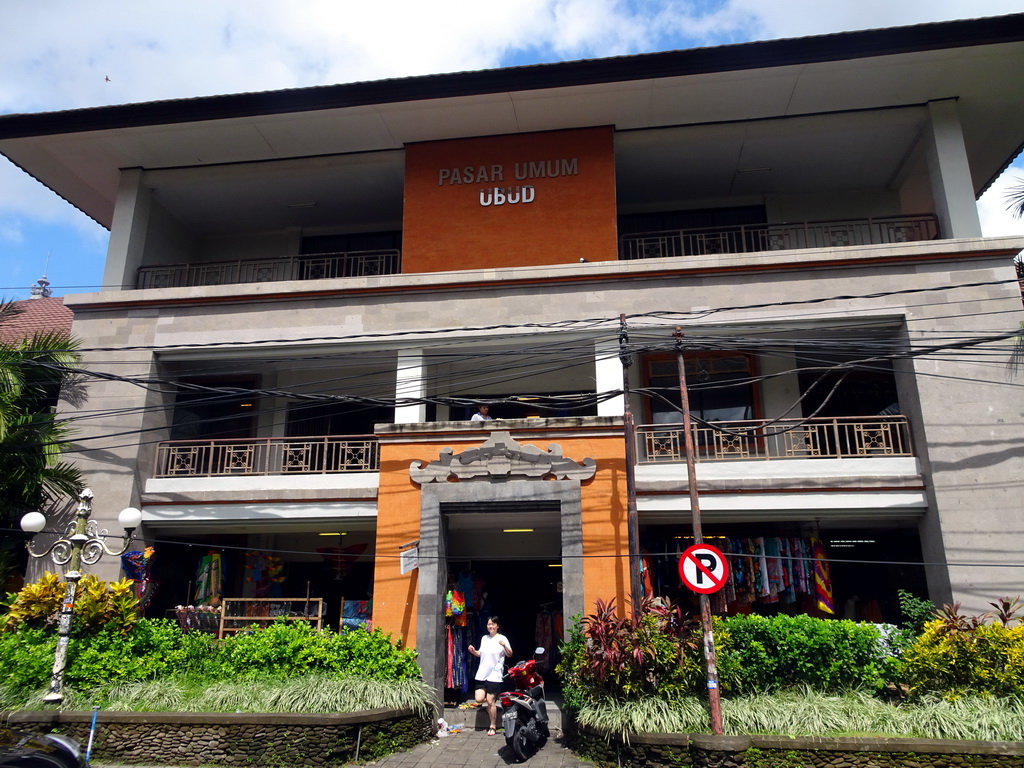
489 687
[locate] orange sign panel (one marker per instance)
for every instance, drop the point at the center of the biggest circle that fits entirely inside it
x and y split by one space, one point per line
521 200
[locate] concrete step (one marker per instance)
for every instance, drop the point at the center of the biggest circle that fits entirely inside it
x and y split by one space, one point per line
476 719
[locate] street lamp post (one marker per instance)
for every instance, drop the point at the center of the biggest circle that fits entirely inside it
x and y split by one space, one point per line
83 544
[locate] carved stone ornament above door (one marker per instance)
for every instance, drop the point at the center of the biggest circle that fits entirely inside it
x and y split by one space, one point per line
502 458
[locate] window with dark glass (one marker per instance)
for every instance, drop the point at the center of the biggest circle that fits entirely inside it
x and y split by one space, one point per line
719 388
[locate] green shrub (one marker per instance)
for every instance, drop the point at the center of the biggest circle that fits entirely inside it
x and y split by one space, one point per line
916 611
26 658
761 653
952 661
617 659
374 655
287 649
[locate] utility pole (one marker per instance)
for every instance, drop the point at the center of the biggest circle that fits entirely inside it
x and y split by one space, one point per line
714 698
633 527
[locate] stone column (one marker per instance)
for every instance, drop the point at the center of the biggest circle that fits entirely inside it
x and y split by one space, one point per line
127 231
608 377
950 173
410 383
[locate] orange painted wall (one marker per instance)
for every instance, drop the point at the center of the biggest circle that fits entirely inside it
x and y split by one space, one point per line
605 536
398 523
571 217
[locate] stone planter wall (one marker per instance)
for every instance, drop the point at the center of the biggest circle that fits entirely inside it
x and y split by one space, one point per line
183 739
668 750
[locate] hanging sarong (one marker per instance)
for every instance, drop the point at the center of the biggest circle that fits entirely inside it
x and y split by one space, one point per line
209 579
822 577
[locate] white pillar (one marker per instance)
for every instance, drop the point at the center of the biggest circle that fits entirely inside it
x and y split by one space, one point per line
127 232
410 382
950 173
608 377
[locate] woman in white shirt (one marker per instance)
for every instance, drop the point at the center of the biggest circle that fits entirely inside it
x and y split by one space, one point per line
494 649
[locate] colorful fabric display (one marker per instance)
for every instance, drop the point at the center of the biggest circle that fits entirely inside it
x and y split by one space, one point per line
264 571
136 564
209 578
822 577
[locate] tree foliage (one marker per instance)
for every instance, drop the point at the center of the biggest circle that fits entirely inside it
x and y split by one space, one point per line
34 374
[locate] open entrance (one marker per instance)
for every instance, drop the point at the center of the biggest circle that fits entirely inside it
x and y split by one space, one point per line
505 560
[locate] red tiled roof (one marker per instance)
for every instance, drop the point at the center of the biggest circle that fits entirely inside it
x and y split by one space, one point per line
37 315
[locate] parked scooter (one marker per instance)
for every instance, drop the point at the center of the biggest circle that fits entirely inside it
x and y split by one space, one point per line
525 716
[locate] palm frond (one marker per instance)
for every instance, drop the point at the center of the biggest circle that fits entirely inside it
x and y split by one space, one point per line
1015 199
1016 361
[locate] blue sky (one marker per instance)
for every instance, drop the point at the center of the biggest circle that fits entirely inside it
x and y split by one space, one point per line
64 54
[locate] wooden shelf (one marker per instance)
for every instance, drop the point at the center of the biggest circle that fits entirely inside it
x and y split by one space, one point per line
240 613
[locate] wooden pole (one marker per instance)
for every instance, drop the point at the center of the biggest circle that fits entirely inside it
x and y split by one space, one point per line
714 699
632 524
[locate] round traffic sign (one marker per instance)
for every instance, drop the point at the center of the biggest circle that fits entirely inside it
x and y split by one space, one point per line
703 568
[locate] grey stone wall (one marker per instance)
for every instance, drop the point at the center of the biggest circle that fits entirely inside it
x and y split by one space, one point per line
180 739
667 750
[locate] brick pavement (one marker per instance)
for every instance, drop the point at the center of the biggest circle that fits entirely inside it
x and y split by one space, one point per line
475 749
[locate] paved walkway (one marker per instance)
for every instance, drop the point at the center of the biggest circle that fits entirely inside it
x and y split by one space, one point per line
466 749
475 749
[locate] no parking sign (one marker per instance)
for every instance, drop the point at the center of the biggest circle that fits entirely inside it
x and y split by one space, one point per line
703 568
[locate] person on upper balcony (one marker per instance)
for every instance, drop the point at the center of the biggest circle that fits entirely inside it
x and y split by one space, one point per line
481 414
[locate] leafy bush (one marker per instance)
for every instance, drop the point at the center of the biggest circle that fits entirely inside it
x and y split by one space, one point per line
916 611
98 605
613 659
761 653
26 658
95 659
156 649
375 655
985 659
287 649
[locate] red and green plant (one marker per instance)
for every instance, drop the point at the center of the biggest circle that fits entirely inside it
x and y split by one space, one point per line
645 652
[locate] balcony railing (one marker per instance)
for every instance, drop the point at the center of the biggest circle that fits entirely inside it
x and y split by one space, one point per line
309 267
750 238
820 438
267 456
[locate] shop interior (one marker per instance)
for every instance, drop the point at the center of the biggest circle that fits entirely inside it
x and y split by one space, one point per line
295 573
865 567
507 563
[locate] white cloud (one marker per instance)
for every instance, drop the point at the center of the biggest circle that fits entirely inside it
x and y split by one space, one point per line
797 18
21 196
63 54
152 50
11 232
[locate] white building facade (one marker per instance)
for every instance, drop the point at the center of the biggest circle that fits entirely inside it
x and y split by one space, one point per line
308 292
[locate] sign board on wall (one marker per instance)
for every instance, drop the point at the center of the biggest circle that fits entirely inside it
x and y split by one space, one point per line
523 200
409 560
